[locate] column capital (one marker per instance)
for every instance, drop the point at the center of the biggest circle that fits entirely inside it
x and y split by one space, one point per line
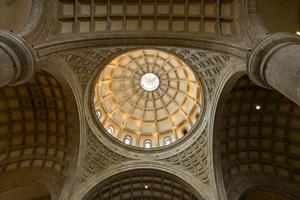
17 62
260 55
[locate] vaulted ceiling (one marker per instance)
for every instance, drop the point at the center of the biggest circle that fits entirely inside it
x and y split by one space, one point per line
259 138
37 130
51 135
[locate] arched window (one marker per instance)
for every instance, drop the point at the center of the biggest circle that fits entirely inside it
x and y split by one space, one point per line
147 144
98 114
110 130
127 140
167 141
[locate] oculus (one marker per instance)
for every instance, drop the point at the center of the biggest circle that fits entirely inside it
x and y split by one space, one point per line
149 82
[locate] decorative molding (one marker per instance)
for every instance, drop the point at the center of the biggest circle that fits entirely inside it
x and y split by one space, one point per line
85 62
190 156
67 43
206 64
97 157
133 184
194 159
84 188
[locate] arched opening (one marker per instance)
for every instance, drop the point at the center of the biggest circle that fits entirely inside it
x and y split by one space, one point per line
167 141
280 15
143 184
147 144
257 140
28 192
14 14
128 140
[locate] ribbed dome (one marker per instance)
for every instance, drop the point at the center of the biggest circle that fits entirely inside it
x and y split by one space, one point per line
147 98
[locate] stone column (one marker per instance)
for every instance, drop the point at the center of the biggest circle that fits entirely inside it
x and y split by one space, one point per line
275 63
16 60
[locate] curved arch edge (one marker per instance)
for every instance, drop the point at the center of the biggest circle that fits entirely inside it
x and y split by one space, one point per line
72 89
235 70
203 190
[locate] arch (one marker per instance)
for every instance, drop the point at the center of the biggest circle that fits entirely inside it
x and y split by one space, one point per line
201 191
72 89
229 76
253 26
216 44
142 184
262 17
255 142
28 18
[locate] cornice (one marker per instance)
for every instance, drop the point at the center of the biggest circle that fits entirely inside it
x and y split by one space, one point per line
227 46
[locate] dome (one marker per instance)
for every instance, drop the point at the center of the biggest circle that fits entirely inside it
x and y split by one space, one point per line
147 98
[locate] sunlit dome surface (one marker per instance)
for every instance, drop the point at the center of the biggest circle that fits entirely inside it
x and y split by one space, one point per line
147 98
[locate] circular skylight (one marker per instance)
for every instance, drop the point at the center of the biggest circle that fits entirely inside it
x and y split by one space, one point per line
149 82
149 98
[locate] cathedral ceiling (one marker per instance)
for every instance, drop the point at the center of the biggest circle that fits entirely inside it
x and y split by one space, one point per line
38 122
260 135
97 157
207 24
145 184
180 16
36 128
85 63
